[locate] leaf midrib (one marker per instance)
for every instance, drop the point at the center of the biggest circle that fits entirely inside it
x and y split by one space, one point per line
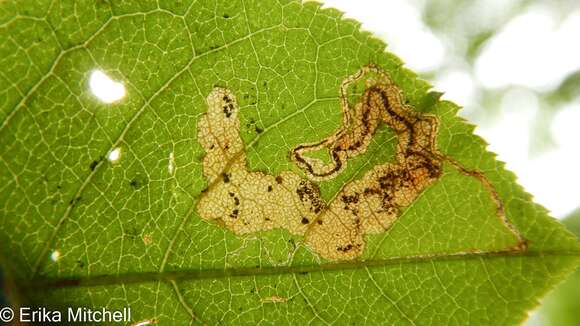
192 274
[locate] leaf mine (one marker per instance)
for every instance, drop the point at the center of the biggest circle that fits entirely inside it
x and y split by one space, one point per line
246 202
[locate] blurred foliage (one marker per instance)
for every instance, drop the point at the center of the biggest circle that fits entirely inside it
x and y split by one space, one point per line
463 23
566 92
466 27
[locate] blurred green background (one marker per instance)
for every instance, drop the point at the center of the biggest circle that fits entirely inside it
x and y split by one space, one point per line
514 67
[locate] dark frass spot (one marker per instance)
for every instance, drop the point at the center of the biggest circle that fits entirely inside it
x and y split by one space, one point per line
131 232
346 248
228 109
74 201
305 220
236 199
96 162
93 165
138 181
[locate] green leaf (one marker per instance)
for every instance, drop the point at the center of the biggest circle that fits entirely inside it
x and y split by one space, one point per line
80 228
561 306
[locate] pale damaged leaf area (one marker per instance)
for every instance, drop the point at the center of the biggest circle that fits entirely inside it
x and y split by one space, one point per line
248 202
250 162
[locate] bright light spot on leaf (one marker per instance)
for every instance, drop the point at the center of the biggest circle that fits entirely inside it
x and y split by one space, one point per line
55 255
114 155
533 50
104 88
171 164
399 23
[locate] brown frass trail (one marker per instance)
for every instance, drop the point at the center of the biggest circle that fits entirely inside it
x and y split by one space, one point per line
246 202
373 203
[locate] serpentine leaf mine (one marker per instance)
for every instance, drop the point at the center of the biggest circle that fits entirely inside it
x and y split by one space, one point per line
246 202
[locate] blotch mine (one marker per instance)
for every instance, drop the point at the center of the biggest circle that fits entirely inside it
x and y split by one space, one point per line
245 201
